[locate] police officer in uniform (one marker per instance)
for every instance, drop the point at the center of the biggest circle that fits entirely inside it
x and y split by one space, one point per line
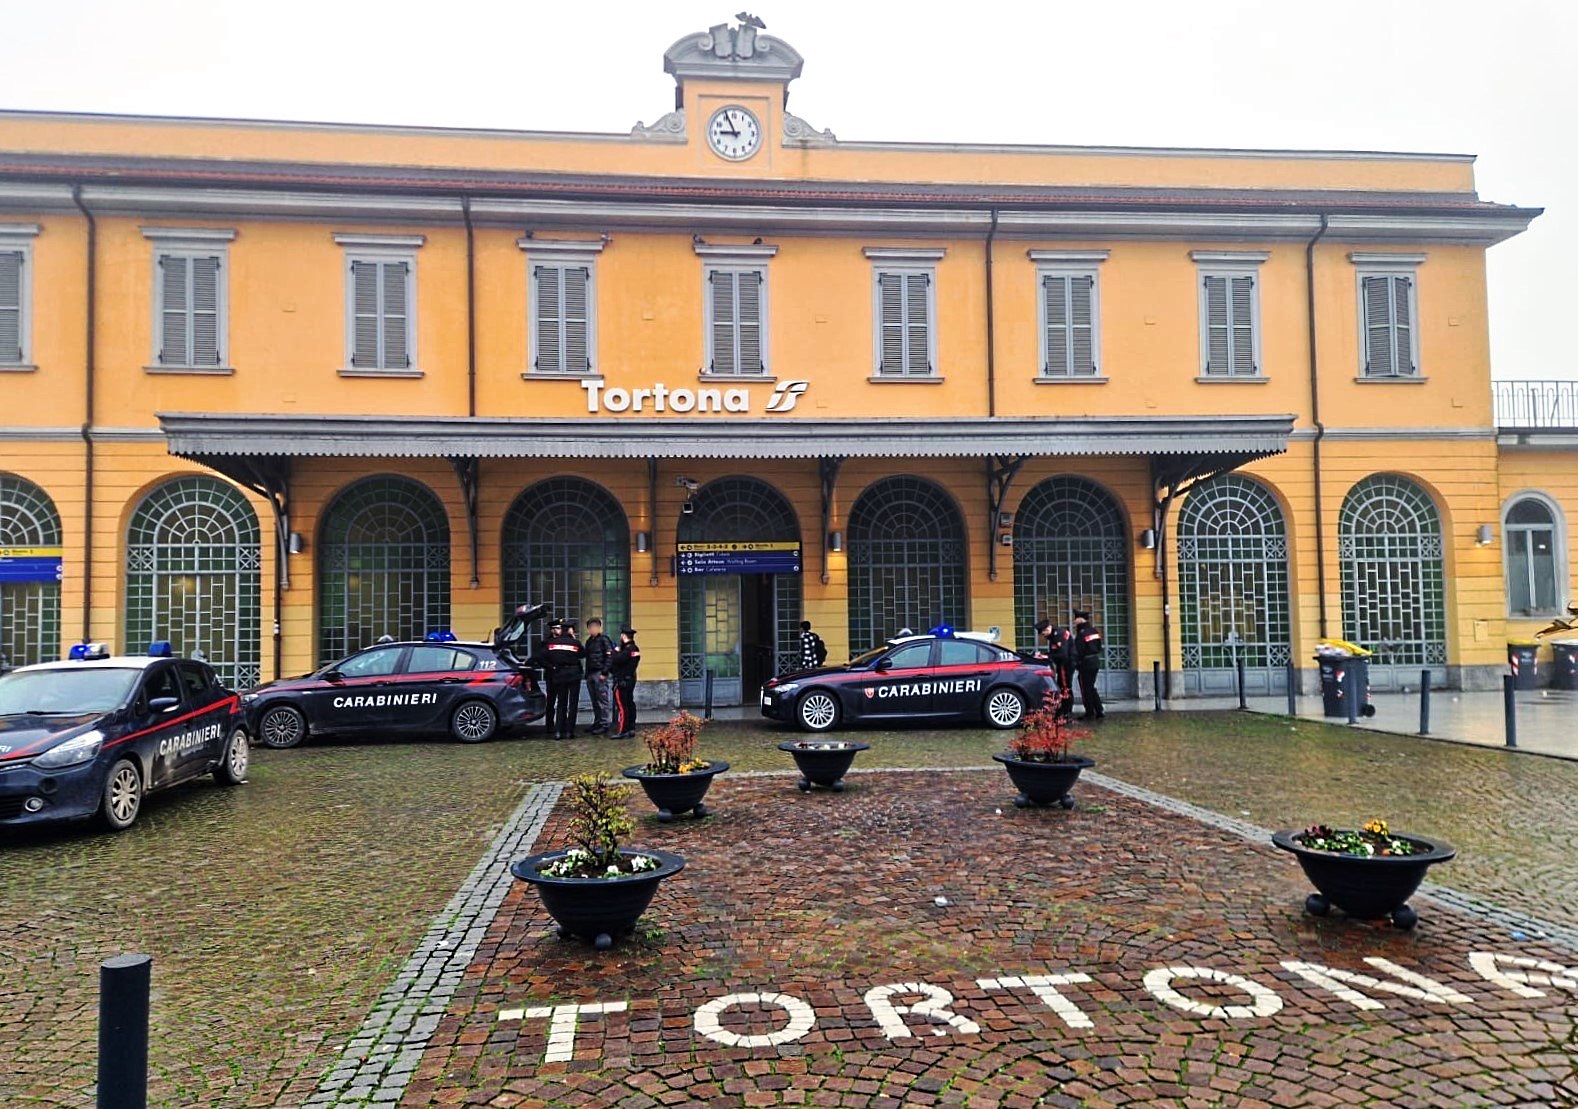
1060 658
599 658
1087 659
560 657
622 669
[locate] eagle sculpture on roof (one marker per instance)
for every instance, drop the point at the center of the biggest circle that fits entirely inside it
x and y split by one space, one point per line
1559 625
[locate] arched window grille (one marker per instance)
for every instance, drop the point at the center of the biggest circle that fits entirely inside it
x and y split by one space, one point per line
713 619
29 610
1071 552
383 566
567 544
193 576
906 561
1393 583
1233 596
1536 568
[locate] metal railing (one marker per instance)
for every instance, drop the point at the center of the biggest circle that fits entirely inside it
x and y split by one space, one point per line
1536 404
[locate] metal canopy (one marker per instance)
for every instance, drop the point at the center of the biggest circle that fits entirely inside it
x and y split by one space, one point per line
213 439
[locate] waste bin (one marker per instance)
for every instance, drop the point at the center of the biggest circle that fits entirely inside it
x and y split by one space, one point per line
1566 672
1335 671
1523 659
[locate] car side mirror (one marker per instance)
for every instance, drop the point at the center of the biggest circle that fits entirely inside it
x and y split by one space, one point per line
884 664
334 676
163 704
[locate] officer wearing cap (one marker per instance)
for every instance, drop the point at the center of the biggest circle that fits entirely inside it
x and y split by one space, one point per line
560 658
1087 650
1060 658
627 657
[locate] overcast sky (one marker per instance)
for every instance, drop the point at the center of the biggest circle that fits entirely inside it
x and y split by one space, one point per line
1499 80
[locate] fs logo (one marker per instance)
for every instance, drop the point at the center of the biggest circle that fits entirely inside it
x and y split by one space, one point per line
785 393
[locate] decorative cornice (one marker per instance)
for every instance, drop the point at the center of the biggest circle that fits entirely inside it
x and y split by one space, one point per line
19 230
797 132
358 241
569 248
905 254
1229 257
755 252
189 234
1385 258
1068 257
733 53
668 128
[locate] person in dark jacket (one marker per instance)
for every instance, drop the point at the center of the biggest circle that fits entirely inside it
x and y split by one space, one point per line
627 658
1059 653
1087 650
813 652
599 660
560 658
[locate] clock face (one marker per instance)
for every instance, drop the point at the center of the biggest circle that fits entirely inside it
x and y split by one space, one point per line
734 133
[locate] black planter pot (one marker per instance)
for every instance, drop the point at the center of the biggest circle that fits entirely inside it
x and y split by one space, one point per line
823 762
1366 886
674 794
1044 783
596 909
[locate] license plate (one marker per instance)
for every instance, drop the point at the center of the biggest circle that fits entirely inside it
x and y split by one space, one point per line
766 700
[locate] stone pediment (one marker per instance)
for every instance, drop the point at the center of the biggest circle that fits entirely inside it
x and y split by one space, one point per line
738 53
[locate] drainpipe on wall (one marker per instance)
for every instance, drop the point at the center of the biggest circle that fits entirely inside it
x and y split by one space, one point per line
991 342
471 309
87 417
1320 428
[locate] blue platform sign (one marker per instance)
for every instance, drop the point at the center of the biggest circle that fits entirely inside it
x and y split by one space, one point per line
738 558
30 564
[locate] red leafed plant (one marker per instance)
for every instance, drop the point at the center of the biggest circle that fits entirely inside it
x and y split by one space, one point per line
671 748
1044 736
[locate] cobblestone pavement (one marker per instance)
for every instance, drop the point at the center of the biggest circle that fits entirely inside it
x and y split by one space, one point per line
279 915
883 947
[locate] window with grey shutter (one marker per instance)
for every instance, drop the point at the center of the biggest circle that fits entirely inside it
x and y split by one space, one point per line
1230 318
1388 325
563 318
11 306
1068 303
736 322
905 309
189 310
381 303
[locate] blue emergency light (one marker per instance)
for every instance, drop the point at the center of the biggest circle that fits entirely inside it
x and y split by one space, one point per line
942 630
160 648
81 652
440 635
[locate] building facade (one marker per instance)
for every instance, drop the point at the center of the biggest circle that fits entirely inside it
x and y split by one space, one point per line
276 389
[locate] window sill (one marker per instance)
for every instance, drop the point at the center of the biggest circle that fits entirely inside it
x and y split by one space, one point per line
704 376
1070 379
17 368
905 379
1416 380
561 375
1229 379
217 371
360 372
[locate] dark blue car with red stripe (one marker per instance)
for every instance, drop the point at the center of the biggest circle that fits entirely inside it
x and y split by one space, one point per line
438 685
92 736
937 676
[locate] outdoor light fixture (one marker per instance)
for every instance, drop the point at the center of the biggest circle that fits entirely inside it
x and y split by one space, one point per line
1148 539
689 506
835 541
1006 539
297 543
643 542
1005 520
1483 535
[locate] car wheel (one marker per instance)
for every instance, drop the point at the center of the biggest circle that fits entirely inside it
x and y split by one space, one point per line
122 799
282 726
474 722
1004 708
234 759
817 711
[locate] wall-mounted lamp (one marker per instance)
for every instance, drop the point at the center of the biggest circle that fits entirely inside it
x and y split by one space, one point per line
835 542
688 507
1006 539
643 542
1484 535
296 543
1005 520
1148 539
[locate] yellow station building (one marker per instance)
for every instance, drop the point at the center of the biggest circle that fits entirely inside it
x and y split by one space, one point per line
272 390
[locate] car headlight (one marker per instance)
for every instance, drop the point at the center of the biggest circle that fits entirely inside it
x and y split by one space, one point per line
787 687
248 698
72 752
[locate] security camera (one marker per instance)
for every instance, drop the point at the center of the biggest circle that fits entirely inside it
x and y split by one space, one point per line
688 483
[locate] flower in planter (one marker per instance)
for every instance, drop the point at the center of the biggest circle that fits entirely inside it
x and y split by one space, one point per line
1045 737
599 824
671 748
1375 838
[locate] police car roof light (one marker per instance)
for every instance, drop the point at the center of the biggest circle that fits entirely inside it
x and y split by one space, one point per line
161 648
441 635
942 630
82 651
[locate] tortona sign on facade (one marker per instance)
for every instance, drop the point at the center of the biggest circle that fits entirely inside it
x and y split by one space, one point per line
660 398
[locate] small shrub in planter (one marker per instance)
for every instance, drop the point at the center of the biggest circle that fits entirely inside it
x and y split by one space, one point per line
1367 872
674 778
596 888
1040 762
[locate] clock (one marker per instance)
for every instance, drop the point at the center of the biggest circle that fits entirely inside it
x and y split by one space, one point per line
733 133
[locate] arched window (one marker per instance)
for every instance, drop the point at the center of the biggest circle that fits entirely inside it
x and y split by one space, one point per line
743 628
1233 597
383 566
1071 552
1393 585
906 561
29 607
567 544
1536 569
193 561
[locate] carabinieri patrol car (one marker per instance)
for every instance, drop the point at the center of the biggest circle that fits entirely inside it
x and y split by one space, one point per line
937 676
420 687
92 736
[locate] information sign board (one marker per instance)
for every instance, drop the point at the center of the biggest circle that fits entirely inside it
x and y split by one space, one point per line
738 558
30 564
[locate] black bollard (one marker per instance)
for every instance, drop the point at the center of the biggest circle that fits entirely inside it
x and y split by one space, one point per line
1424 702
1350 682
1243 699
1293 690
123 1031
1156 682
706 710
1509 706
